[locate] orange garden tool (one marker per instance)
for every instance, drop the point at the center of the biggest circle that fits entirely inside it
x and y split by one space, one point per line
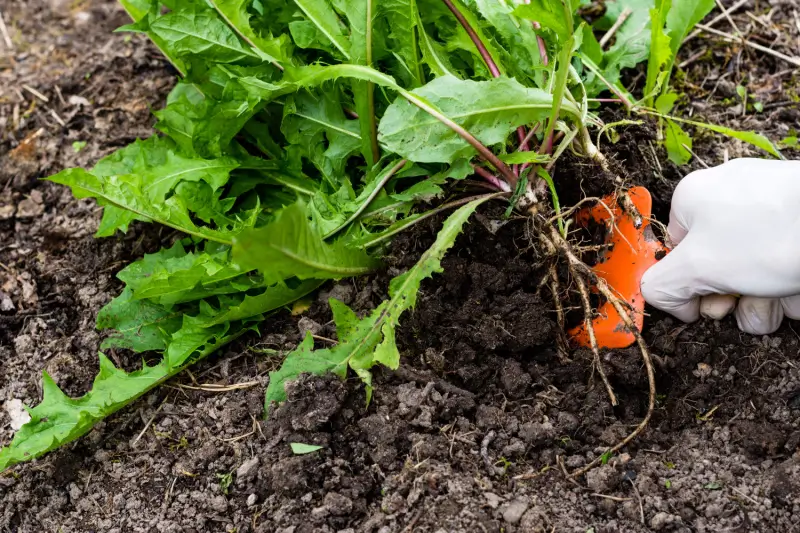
633 248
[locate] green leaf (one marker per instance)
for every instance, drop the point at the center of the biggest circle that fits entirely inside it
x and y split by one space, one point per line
489 110
361 15
199 31
315 126
291 246
516 36
402 20
371 340
166 276
138 10
751 137
661 54
127 192
549 14
671 22
236 14
59 419
519 158
676 142
139 325
433 54
271 298
324 18
206 126
298 448
665 102
631 40
683 16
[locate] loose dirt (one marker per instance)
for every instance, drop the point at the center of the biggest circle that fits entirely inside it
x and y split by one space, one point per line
476 429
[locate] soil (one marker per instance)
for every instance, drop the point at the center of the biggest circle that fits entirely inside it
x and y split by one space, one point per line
472 433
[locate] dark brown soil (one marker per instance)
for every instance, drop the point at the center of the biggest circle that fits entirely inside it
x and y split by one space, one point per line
471 434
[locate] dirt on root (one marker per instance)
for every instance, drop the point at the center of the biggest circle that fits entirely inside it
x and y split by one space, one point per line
472 433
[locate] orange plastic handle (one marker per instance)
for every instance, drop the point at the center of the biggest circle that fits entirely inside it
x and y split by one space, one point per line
634 248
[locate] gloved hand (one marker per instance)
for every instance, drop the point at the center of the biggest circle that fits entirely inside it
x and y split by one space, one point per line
736 231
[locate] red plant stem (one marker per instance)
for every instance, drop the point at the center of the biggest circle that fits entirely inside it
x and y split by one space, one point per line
496 182
540 42
487 58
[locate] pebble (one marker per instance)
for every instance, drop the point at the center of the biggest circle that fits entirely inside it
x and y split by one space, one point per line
247 469
514 510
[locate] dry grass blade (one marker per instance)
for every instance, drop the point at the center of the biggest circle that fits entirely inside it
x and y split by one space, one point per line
755 46
613 29
213 387
718 18
4 30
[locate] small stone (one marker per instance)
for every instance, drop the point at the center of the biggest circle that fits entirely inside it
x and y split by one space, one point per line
535 433
74 99
714 509
251 500
492 499
17 413
515 380
247 469
514 448
338 504
513 511
218 504
7 211
662 521
74 492
306 325
602 479
30 207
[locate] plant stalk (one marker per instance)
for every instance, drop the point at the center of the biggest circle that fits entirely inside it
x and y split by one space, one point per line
484 152
487 58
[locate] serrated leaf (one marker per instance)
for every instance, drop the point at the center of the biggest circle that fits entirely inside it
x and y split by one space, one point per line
199 31
59 419
138 325
324 18
401 18
206 125
166 276
489 110
290 246
126 192
236 14
371 340
316 128
661 54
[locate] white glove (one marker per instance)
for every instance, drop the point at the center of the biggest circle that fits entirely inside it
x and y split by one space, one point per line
736 231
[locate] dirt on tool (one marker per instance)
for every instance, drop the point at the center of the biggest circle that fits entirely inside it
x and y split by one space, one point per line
477 428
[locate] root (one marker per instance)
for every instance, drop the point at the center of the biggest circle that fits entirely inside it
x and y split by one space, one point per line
587 324
555 243
555 289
